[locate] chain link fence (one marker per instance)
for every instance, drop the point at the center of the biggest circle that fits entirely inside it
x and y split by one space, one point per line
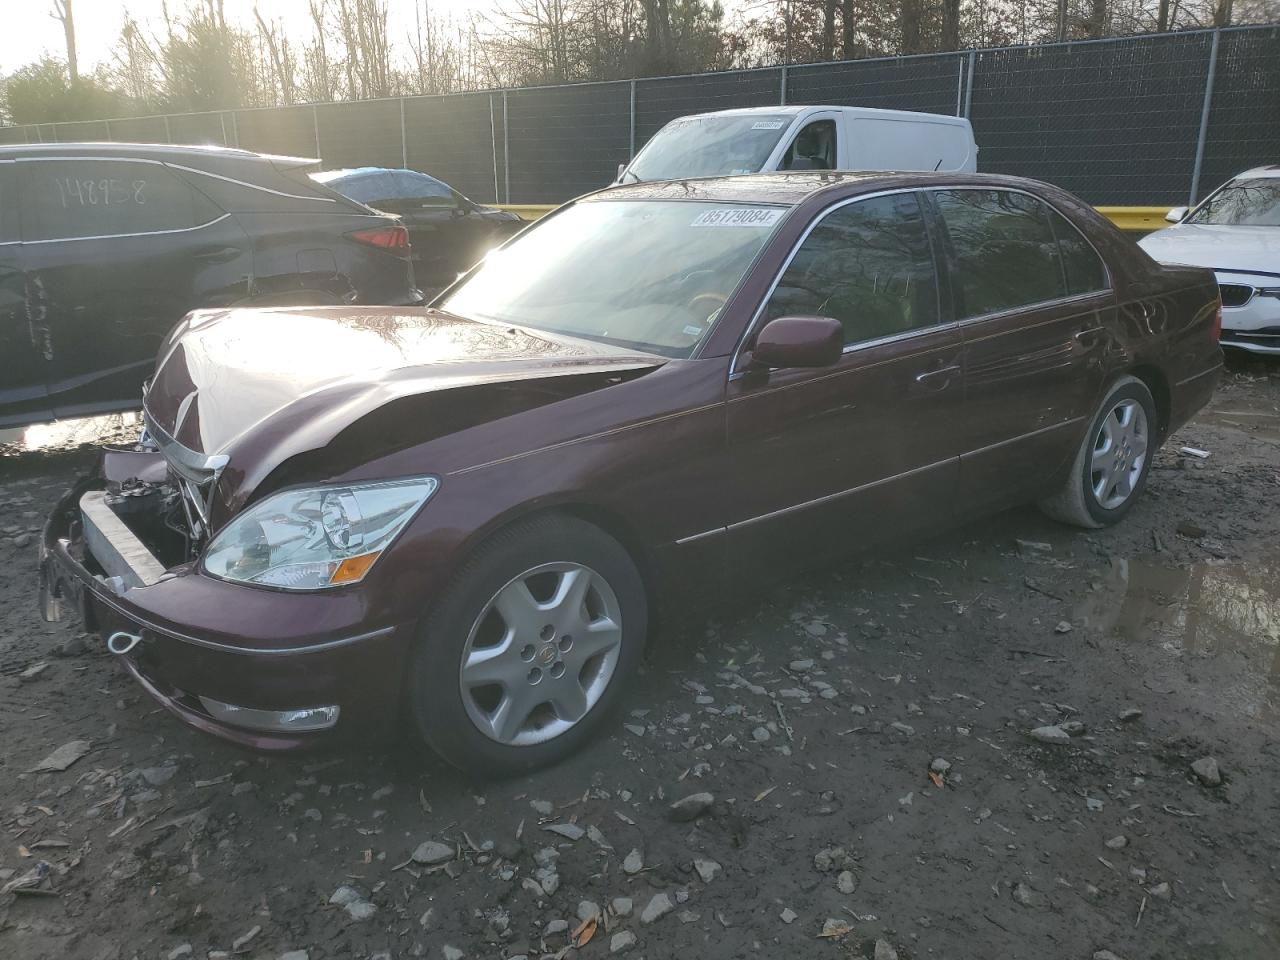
1150 120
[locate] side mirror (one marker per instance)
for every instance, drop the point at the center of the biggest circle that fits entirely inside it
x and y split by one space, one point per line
622 168
799 342
1176 215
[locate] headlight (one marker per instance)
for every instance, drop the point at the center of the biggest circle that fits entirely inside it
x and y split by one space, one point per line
316 537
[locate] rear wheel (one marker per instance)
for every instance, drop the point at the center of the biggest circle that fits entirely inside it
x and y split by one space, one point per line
529 647
1111 466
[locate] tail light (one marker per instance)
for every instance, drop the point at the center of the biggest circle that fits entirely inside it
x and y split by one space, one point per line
1217 322
386 238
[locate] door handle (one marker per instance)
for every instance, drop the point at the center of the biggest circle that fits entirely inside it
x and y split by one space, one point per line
947 371
1083 336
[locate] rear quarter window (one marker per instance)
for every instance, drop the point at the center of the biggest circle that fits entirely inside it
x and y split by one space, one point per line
76 199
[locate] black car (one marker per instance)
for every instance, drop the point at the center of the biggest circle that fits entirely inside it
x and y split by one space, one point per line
104 247
447 232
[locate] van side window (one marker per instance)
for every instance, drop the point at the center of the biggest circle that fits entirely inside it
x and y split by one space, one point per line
1005 252
1084 268
814 148
868 265
69 199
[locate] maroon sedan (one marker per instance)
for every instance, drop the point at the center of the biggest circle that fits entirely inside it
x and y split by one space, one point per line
469 515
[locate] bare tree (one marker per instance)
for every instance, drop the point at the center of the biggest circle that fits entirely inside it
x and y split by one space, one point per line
280 57
62 12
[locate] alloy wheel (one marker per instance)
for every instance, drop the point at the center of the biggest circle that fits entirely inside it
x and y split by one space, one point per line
1119 454
541 654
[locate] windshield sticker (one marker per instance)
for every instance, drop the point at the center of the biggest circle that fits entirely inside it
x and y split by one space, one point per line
738 217
768 125
692 331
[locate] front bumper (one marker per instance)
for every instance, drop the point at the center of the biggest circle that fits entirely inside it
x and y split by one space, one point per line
204 643
1254 324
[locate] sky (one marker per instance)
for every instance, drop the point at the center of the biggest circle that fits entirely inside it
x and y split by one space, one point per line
30 30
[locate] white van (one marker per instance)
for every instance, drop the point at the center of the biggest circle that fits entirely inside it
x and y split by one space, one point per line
757 139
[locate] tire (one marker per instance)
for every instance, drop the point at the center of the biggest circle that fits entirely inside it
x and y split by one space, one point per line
487 643
1124 472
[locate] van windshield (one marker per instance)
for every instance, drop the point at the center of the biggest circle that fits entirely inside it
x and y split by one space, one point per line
710 146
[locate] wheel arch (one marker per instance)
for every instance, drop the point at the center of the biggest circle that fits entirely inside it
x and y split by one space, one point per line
1155 380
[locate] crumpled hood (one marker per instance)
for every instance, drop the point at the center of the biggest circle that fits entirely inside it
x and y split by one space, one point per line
307 373
1231 249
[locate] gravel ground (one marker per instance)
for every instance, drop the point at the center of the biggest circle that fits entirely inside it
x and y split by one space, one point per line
991 744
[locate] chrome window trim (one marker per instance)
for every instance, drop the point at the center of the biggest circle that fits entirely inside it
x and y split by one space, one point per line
734 372
1106 269
1038 305
119 236
251 186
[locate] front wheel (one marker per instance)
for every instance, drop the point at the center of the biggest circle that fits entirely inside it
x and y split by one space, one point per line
529 647
1111 466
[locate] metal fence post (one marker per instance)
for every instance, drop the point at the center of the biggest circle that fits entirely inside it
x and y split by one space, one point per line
107 124
783 87
506 151
1204 119
222 119
632 151
493 144
315 126
404 140
959 86
168 134
968 85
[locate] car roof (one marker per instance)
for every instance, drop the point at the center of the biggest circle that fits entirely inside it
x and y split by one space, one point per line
792 109
790 189
186 153
1269 172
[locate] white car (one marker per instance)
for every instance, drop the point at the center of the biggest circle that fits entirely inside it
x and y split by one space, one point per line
1236 233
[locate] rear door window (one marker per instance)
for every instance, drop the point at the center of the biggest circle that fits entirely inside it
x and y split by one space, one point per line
1084 269
868 265
1005 253
77 199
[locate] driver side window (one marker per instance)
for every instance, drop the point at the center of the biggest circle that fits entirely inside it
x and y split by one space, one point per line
868 265
814 148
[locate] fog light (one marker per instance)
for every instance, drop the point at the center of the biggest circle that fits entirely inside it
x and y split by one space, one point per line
303 720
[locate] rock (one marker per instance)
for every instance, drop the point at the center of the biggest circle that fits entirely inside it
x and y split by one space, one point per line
1118 842
816 629
555 926
846 883
657 908
33 672
904 728
361 910
432 852
830 858
1064 626
707 869
788 915
1161 891
570 831
634 728
451 952
624 940
1025 895
800 666
1125 716
242 941
542 807
1105 955
884 951
1190 530
690 807
158 776
1073 728
1207 772
295 955
597 837
344 895
621 906
588 909
632 863
63 757
688 916
1051 734
183 950
939 765
760 734
71 647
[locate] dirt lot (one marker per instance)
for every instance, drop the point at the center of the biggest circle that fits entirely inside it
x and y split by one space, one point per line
811 719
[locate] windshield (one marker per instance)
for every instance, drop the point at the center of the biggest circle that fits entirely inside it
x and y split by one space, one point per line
710 146
1250 203
650 275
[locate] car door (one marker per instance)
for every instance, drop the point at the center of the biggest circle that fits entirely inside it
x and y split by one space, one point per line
824 460
23 397
1034 304
816 145
116 251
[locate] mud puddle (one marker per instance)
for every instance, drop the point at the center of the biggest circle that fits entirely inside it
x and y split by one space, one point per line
1211 615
